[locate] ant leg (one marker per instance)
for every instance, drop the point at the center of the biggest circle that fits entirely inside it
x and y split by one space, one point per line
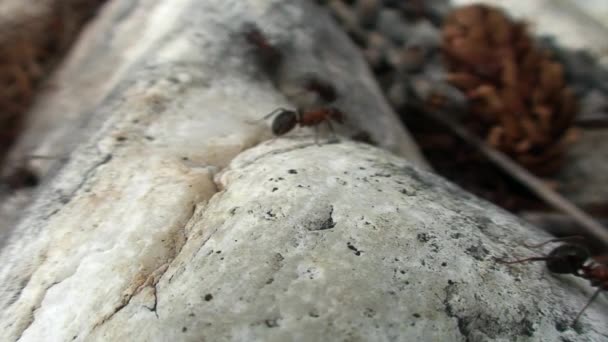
597 292
575 237
517 261
274 112
331 129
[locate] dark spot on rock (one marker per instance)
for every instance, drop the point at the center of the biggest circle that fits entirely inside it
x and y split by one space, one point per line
408 192
406 282
208 297
562 325
280 179
313 314
191 314
402 272
218 252
270 214
325 224
185 158
369 312
450 282
361 168
149 138
292 171
274 189
456 236
121 138
477 251
233 211
444 264
424 237
184 329
354 249
526 327
377 174
272 323
269 281
417 315
482 222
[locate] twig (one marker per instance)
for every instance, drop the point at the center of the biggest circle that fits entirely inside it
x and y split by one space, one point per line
552 198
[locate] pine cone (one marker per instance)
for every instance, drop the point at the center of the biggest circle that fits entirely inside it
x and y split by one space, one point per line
517 95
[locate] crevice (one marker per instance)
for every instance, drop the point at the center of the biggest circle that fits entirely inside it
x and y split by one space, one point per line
154 278
275 152
88 174
31 316
449 310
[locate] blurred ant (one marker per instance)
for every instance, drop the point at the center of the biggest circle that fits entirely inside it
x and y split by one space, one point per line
325 90
268 55
287 119
19 178
575 259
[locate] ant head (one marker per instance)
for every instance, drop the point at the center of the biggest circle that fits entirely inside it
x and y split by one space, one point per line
284 122
567 258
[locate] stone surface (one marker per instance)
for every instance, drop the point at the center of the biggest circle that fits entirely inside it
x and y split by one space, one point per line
291 241
175 77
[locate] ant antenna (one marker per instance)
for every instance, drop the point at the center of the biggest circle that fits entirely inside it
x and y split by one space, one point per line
597 292
575 237
517 261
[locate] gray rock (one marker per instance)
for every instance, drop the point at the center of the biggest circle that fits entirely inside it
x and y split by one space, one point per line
301 242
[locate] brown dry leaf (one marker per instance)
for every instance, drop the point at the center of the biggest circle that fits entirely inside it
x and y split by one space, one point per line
517 93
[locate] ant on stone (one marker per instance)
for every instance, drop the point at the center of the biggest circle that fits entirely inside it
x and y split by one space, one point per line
575 259
287 119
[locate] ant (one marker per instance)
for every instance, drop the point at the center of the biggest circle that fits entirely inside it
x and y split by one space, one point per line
287 119
324 89
575 259
19 178
267 54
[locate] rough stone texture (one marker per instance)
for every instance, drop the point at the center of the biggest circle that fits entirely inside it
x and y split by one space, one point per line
300 242
180 77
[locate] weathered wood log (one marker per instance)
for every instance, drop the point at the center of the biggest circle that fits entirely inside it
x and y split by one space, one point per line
167 223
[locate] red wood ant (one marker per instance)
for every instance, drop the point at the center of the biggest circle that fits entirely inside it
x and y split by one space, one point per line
268 55
575 259
287 119
324 89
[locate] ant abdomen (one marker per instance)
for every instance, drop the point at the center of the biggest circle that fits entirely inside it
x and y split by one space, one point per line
284 122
